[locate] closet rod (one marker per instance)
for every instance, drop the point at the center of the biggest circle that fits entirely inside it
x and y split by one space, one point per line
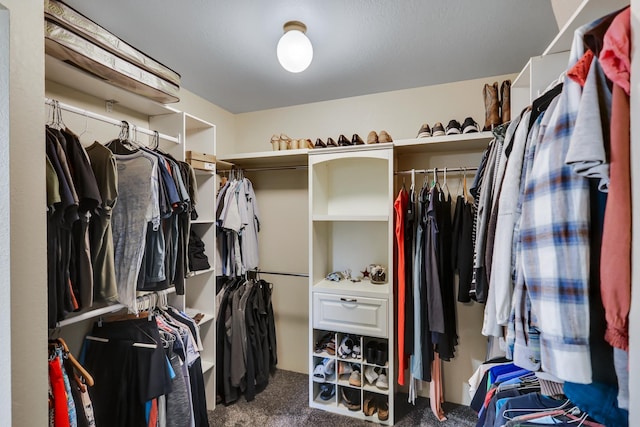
423 171
279 273
274 168
106 119
103 310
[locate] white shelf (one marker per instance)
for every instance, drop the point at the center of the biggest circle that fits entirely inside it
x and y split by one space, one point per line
373 389
282 158
351 148
203 221
207 366
347 287
208 317
587 11
70 76
193 123
358 218
461 142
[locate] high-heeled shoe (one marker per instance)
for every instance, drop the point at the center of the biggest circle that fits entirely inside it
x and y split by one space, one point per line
356 140
343 141
331 142
320 144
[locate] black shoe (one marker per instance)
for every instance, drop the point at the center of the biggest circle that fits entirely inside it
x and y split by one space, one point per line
331 142
453 127
350 398
343 141
320 143
438 130
372 351
424 131
356 140
469 126
381 354
327 391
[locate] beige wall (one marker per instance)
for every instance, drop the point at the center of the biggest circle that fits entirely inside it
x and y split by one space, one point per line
399 112
28 228
282 197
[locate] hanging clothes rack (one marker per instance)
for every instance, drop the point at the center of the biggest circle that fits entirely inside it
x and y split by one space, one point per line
105 119
432 170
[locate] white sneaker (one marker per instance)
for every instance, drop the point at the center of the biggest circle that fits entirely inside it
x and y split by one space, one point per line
383 381
370 374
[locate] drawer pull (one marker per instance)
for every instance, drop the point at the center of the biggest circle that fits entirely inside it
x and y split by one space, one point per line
348 299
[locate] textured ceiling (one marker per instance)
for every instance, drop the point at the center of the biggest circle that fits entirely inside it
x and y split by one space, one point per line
226 50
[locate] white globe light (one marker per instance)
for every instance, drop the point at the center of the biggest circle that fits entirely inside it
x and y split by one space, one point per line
294 51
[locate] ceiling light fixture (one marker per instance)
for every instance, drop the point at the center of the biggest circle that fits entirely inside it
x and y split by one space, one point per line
294 48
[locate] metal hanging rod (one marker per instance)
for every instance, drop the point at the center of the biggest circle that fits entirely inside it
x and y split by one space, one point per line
105 119
269 168
278 273
448 170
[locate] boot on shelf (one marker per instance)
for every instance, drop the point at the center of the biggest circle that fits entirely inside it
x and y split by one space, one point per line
491 106
505 101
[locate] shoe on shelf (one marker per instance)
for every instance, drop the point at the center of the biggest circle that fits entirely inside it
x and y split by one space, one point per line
424 132
369 407
346 347
453 128
326 343
470 126
309 144
370 374
491 97
324 370
343 141
372 138
355 379
320 144
293 144
356 140
350 398
382 382
505 101
285 142
356 352
438 129
381 354
331 142
383 409
372 351
327 391
275 142
344 368
384 137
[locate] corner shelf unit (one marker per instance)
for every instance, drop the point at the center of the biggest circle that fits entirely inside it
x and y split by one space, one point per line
350 227
200 286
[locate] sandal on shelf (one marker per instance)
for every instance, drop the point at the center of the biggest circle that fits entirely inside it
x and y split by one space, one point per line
327 391
344 368
369 408
350 398
370 374
383 410
383 381
355 379
326 343
346 347
324 370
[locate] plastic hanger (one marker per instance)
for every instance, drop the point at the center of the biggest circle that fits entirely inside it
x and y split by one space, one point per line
444 186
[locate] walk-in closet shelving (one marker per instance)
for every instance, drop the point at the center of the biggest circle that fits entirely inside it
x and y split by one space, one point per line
350 228
460 142
267 158
199 296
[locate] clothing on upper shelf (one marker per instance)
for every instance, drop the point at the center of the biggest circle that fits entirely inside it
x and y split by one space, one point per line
118 222
238 224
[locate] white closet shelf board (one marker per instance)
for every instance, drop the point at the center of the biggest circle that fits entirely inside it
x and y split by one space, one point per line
346 287
282 158
461 142
340 409
587 11
358 218
203 172
222 165
70 76
351 148
208 317
194 123
203 221
207 366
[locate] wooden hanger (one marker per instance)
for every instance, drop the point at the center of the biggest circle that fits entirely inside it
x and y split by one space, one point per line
87 377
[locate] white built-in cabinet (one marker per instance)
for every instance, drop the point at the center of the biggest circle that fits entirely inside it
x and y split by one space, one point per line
350 227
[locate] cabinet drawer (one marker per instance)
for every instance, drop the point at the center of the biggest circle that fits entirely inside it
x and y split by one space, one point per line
353 314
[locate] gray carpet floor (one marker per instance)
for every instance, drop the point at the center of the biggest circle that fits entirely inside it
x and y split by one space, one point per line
285 403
